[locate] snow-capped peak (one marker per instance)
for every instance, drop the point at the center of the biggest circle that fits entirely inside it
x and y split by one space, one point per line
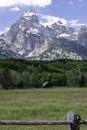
30 16
29 13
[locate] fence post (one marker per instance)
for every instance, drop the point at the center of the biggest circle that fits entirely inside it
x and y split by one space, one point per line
70 118
75 121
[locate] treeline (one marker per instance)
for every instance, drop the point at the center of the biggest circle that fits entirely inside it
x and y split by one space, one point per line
17 73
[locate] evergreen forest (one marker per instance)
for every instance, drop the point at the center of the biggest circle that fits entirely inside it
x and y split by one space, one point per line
21 74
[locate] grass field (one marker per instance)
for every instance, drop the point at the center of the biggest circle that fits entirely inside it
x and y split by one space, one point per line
42 104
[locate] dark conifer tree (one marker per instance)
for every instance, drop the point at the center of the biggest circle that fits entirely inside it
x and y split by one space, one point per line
6 79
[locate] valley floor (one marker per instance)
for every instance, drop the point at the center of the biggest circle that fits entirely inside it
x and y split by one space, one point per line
42 104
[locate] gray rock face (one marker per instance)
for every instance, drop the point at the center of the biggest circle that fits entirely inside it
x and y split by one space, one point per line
82 37
59 30
6 52
28 39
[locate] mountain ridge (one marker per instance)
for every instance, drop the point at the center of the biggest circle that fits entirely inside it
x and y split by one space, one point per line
28 39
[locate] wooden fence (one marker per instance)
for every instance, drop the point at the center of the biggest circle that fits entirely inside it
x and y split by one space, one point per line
73 122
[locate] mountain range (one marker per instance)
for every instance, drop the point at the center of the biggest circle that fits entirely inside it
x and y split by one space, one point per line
27 38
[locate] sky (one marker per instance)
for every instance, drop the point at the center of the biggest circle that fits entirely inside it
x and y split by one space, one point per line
70 12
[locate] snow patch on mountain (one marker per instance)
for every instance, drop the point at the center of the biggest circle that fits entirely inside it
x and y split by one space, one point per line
64 35
29 13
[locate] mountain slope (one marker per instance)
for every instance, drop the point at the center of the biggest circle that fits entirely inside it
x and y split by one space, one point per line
63 49
6 52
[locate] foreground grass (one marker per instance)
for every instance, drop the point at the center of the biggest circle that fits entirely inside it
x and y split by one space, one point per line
42 104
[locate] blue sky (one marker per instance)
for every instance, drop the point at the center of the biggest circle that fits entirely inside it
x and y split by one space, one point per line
70 12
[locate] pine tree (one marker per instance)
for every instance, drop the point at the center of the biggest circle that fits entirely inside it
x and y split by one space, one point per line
6 79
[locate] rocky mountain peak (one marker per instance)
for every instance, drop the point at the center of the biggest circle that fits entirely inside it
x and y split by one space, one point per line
26 23
30 16
29 13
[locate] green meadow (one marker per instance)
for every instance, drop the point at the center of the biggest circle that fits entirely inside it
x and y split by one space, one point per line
42 104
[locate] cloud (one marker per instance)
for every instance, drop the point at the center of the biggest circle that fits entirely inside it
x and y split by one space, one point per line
39 3
5 30
75 23
71 3
49 19
1 32
15 8
80 0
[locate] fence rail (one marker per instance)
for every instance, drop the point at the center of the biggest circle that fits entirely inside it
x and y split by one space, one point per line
73 122
15 122
83 122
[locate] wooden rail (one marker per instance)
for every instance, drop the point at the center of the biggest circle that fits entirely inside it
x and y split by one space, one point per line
15 122
73 122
